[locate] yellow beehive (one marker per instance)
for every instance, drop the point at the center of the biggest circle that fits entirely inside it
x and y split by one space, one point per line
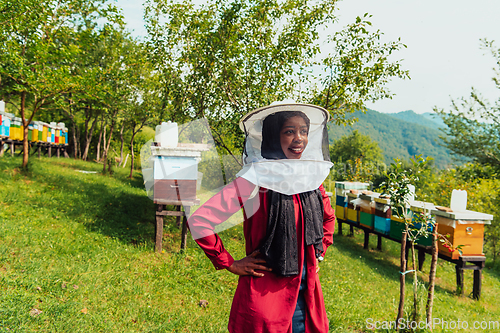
352 209
45 132
340 212
34 133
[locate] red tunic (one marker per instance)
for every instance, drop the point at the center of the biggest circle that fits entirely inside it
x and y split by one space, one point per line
263 304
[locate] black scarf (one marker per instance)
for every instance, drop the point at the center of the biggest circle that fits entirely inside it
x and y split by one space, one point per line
279 247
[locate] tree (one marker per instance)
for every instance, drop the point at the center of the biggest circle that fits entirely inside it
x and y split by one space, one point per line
473 124
223 59
354 146
38 41
357 70
146 104
356 157
397 188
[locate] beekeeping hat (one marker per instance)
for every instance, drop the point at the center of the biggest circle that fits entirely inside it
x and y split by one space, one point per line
265 163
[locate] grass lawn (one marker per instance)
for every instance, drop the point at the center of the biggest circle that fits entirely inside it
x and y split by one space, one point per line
77 255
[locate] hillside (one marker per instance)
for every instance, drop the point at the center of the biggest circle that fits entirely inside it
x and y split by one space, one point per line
415 118
398 138
434 118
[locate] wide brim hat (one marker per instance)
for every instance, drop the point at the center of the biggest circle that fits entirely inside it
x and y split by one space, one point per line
317 148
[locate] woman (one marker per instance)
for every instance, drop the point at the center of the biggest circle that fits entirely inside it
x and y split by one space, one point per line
285 233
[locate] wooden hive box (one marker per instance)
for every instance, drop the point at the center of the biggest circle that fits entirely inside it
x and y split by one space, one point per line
341 202
464 228
397 228
175 172
382 219
367 209
352 211
421 207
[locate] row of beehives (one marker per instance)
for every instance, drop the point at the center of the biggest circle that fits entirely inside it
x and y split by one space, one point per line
461 227
38 131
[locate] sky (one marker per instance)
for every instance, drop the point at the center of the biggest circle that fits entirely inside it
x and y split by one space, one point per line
443 53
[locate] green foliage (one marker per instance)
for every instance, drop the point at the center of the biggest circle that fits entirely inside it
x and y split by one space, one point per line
396 185
356 158
483 195
221 60
473 124
357 69
397 138
39 41
356 146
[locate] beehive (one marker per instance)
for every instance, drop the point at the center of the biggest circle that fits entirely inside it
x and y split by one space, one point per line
6 123
397 228
30 132
421 207
45 132
462 228
2 124
175 172
352 211
34 133
367 209
382 219
340 204
341 190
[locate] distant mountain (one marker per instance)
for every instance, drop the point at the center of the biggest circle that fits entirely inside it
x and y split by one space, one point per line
428 119
401 135
435 118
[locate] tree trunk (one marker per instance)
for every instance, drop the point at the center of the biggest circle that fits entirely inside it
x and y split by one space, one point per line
107 143
25 130
132 154
75 145
79 144
88 137
104 141
98 158
25 146
415 282
121 145
402 278
432 275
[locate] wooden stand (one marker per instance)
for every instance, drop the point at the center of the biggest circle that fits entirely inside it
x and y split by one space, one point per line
37 147
2 138
475 263
161 212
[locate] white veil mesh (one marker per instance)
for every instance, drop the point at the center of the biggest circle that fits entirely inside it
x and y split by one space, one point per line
287 176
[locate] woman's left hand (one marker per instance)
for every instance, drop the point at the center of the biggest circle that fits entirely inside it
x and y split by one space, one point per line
317 266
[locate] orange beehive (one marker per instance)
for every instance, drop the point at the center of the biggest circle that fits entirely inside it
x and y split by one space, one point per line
461 229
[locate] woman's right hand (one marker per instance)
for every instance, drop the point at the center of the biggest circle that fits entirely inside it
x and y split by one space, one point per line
249 264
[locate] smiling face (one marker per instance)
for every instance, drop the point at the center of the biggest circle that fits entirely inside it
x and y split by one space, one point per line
293 137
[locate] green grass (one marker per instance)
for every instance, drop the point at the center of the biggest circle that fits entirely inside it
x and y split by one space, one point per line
80 248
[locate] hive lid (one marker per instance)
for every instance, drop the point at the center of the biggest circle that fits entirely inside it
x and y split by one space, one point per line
351 185
464 215
421 206
385 201
369 197
182 149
